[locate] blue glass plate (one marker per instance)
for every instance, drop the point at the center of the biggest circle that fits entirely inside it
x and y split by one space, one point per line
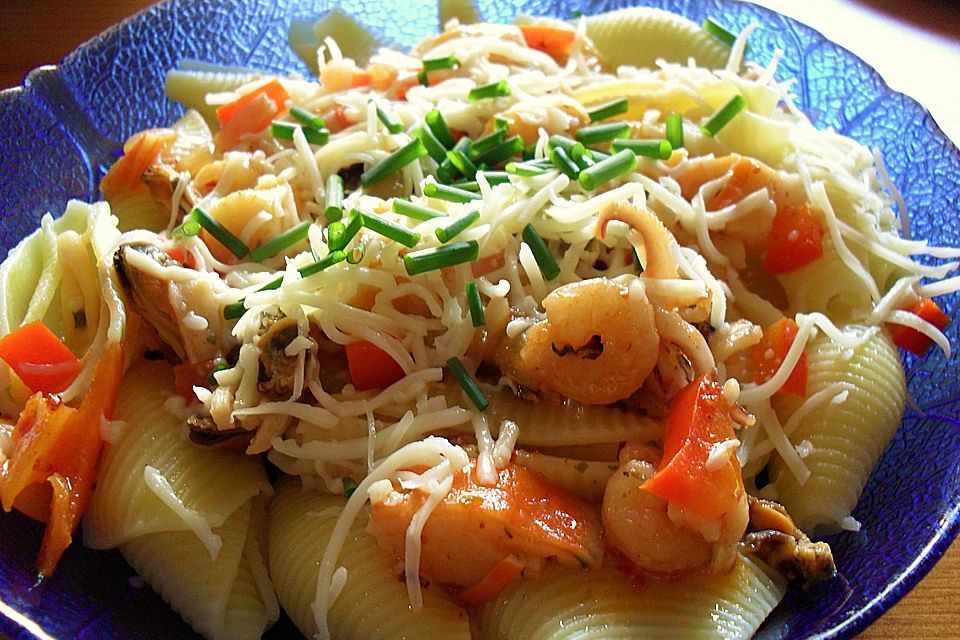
59 132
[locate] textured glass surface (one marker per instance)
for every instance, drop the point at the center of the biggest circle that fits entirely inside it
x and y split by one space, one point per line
66 124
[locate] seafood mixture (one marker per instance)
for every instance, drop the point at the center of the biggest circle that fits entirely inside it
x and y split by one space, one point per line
528 302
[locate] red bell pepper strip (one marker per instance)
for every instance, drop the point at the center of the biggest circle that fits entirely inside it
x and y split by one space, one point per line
553 41
699 418
911 339
57 448
771 351
251 113
39 358
371 367
795 240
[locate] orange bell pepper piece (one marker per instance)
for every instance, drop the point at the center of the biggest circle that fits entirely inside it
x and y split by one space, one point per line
553 41
795 240
911 339
371 367
39 358
771 351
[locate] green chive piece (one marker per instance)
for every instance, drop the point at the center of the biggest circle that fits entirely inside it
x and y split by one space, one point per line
524 169
439 127
455 228
592 178
541 253
449 255
603 132
719 32
448 193
484 144
283 241
656 149
501 124
391 123
584 161
387 229
355 255
493 90
220 233
447 170
422 77
463 164
307 118
581 155
212 379
393 163
609 110
334 198
722 117
415 211
188 229
675 130
434 148
562 161
496 177
285 131
349 486
335 233
436 64
468 384
351 229
334 257
503 151
476 306
563 142
236 309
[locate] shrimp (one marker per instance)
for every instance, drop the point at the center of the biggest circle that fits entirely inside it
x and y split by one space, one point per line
647 235
521 519
598 343
660 538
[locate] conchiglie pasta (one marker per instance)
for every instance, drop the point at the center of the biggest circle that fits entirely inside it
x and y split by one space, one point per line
585 479
373 604
639 36
829 286
849 435
562 605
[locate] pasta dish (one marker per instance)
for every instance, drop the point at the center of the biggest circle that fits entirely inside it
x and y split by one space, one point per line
542 330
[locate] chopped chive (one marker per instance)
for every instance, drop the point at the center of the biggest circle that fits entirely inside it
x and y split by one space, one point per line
563 142
501 124
498 89
468 384
283 241
335 232
212 379
351 229
584 161
188 229
615 108
447 170
387 229
488 142
220 233
603 132
439 127
285 131
422 77
463 164
455 228
436 150
503 151
349 486
307 118
334 257
392 124
581 155
562 161
334 198
496 177
234 310
436 64
719 32
394 162
524 169
424 260
541 253
476 306
661 149
722 117
448 193
675 130
415 211
355 255
592 178
530 151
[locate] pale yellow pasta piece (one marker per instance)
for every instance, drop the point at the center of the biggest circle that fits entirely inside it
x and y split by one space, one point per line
586 479
562 604
829 286
847 436
354 40
639 36
463 10
229 598
373 604
190 87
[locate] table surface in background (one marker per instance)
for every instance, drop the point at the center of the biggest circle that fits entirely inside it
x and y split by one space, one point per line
914 45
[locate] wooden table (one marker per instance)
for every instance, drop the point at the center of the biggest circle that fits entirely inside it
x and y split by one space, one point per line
35 32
